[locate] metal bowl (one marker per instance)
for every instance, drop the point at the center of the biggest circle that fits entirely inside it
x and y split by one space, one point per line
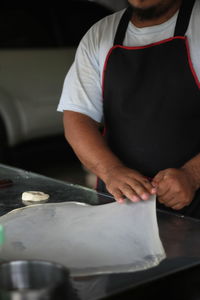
35 280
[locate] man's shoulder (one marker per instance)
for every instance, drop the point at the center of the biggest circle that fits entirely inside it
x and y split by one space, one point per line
195 19
101 34
108 23
197 7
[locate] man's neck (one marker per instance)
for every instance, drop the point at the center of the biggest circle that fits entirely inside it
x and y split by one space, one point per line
157 21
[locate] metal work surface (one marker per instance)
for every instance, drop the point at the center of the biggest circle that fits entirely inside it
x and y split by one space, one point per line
179 235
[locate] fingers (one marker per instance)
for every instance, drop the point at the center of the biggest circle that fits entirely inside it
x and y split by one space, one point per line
142 186
174 201
168 200
158 178
123 183
171 201
173 188
130 193
149 186
135 188
120 196
167 197
135 191
178 206
125 192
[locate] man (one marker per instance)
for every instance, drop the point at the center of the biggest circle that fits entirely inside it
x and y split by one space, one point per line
139 71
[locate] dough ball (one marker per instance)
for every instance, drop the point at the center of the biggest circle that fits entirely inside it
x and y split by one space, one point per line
34 197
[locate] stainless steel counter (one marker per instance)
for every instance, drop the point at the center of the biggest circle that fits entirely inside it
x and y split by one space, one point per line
180 235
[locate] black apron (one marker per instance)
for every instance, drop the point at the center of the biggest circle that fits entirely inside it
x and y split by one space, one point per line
152 103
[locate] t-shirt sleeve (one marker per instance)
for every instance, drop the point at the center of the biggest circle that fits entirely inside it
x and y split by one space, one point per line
82 90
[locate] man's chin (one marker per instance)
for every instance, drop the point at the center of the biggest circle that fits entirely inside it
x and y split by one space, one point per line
151 12
144 4
146 13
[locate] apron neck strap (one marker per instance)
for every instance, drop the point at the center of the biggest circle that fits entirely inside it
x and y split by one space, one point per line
184 17
122 27
181 25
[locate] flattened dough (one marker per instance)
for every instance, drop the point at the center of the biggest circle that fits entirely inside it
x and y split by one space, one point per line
109 238
34 197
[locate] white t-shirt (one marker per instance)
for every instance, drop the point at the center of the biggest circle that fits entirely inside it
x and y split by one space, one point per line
82 90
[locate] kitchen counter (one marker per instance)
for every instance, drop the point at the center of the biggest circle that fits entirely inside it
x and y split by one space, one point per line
179 235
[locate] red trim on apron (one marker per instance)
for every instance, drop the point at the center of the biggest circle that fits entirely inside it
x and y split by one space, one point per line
191 63
148 46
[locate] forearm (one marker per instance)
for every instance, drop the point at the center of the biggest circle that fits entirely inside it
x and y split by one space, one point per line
84 136
192 168
87 142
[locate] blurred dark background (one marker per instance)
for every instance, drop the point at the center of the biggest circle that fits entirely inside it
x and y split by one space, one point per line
28 31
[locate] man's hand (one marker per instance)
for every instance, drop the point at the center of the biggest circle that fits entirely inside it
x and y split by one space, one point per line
175 188
83 135
123 182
